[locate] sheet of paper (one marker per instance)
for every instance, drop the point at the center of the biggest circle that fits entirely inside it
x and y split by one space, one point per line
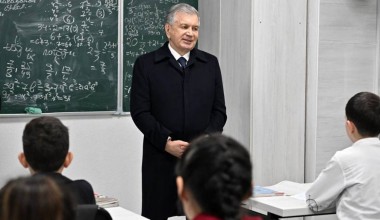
300 196
290 188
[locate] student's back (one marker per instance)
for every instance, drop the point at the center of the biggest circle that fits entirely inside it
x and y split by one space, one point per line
350 181
46 152
81 190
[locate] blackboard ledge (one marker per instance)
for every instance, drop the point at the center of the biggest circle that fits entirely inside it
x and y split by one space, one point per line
65 114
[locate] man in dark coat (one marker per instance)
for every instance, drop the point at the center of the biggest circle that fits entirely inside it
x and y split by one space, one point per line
173 102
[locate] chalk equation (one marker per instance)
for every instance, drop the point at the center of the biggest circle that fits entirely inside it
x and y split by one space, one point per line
58 53
143 32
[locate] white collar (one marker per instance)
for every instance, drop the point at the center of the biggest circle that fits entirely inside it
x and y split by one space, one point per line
176 55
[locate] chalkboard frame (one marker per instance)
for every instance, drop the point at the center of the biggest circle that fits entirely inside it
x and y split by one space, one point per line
36 14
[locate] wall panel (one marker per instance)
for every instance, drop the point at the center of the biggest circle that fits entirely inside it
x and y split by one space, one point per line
347 64
278 90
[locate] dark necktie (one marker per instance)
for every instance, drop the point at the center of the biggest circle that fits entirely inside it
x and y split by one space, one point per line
182 61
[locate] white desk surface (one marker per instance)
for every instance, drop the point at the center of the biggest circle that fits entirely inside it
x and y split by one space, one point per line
284 206
280 205
119 213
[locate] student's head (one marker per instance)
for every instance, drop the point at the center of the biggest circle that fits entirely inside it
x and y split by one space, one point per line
182 24
45 145
363 115
35 198
214 176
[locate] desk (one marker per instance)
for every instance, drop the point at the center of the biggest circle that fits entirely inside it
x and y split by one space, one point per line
287 206
119 213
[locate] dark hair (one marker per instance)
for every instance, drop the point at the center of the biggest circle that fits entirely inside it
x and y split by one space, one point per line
363 109
217 170
46 143
35 198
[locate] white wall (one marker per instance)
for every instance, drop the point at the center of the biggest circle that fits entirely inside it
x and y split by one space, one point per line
107 153
261 46
278 90
220 28
346 62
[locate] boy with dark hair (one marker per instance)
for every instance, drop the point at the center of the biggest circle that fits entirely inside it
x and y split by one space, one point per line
351 179
46 152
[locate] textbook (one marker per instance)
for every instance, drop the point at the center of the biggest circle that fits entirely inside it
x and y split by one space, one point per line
259 191
105 201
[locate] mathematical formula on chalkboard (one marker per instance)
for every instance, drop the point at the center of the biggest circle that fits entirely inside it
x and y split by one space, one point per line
62 55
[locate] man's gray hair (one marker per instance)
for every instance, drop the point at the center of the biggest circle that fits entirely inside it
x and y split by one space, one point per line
181 7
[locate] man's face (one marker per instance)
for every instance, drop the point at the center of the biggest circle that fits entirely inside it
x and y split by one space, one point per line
183 33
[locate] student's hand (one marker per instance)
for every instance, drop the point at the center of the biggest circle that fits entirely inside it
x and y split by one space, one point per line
176 148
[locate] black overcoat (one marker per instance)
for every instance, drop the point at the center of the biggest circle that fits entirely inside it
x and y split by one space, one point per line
168 101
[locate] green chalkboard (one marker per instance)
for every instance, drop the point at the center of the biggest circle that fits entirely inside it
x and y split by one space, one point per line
58 55
144 22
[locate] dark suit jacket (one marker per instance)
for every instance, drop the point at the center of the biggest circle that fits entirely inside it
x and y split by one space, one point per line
81 190
166 101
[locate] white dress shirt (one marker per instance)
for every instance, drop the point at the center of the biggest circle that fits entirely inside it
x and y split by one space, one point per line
351 182
176 55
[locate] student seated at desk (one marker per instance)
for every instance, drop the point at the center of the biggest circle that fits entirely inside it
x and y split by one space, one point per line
213 177
46 152
352 177
35 198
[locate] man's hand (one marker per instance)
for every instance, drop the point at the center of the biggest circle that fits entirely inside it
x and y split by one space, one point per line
176 148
